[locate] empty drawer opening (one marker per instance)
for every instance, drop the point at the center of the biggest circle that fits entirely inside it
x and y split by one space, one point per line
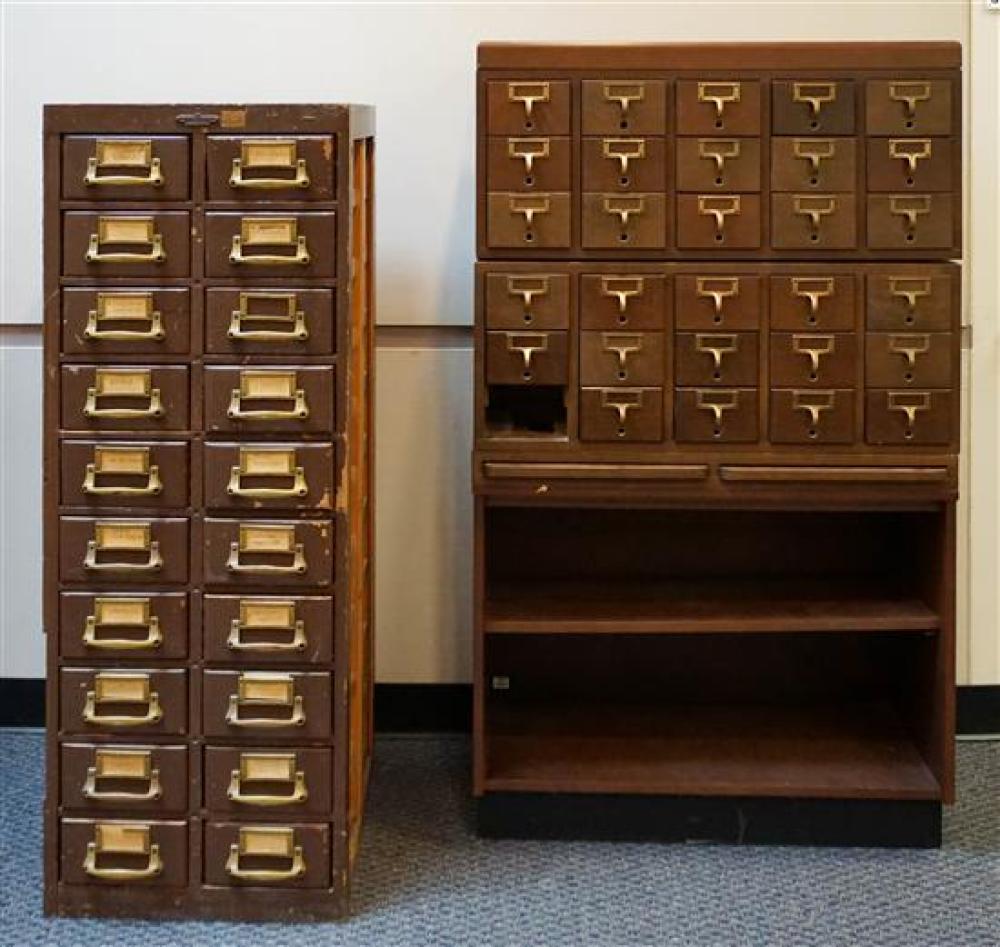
517 410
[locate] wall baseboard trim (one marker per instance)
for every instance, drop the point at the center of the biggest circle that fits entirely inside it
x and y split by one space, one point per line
447 708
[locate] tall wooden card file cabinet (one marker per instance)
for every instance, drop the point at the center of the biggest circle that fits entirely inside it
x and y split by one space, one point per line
717 419
208 316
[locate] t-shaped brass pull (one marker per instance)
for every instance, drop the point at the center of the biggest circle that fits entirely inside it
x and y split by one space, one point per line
718 289
717 402
812 289
624 150
527 287
527 344
815 207
528 207
529 150
622 346
911 289
625 208
911 208
717 346
814 403
719 150
909 347
814 347
624 93
622 288
911 403
814 94
720 94
910 94
814 150
910 150
719 208
621 401
527 94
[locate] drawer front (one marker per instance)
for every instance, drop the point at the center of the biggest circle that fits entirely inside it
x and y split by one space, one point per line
527 358
263 705
896 416
268 629
623 301
621 414
269 476
265 400
813 302
126 243
268 782
717 302
528 220
136 853
268 552
718 221
624 164
812 107
132 321
110 474
814 221
911 302
108 777
293 246
723 164
527 106
823 416
527 301
718 106
126 168
528 164
122 627
130 703
913 221
135 551
716 358
636 221
271 168
813 164
903 164
724 415
908 107
624 106
125 398
814 360
913 359
621 358
267 856
270 321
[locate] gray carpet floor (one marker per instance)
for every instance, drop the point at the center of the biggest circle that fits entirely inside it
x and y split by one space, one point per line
425 879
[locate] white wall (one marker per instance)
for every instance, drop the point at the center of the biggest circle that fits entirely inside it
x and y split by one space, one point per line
416 63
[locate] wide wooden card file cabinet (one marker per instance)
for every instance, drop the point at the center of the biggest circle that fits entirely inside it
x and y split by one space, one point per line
717 427
208 522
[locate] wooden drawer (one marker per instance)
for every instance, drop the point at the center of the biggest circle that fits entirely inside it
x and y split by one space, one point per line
142 398
268 553
910 221
267 856
133 321
110 474
812 107
267 705
271 168
123 627
911 302
528 164
814 221
813 164
624 164
623 301
119 853
908 107
718 107
269 476
527 358
814 360
813 302
801 416
621 358
126 167
897 416
726 415
705 359
126 243
265 400
903 164
281 321
527 301
267 629
718 221
527 106
621 414
624 221
123 702
718 164
268 782
717 302
115 551
912 359
291 245
128 778
624 106
528 220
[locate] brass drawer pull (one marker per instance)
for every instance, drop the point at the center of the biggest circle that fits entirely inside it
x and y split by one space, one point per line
247 326
112 383
815 151
115 309
719 208
269 154
909 346
911 208
266 540
910 94
527 344
117 613
528 94
625 208
258 690
911 289
257 386
622 289
813 289
527 287
719 150
122 537
815 95
718 289
529 150
122 766
266 842
814 403
267 768
624 94
269 232
815 207
119 154
910 403
719 94
622 401
717 402
624 150
112 688
621 346
528 207
269 464
265 615
814 347
910 150
122 462
117 839
717 346
125 231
